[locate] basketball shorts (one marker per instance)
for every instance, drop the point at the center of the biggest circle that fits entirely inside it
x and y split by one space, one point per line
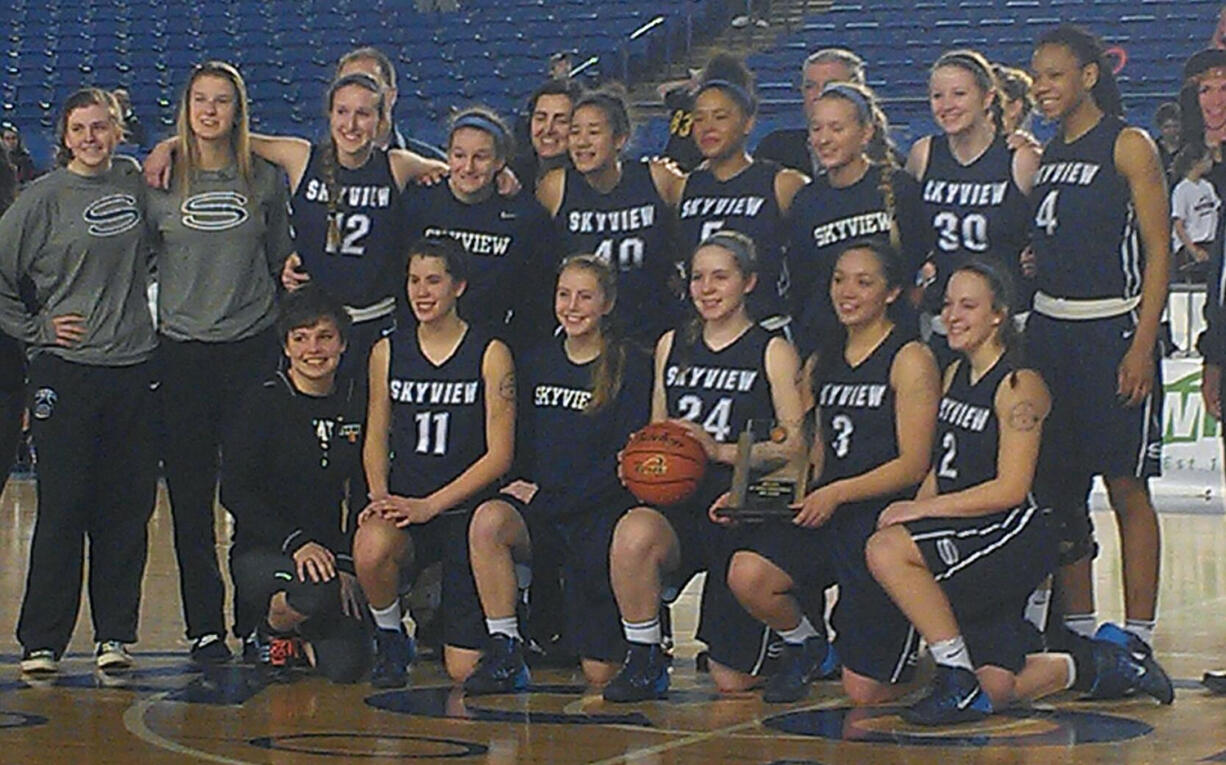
445 538
988 567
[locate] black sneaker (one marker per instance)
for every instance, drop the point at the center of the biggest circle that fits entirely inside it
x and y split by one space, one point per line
501 668
643 676
1124 664
801 665
393 654
953 697
1215 681
210 649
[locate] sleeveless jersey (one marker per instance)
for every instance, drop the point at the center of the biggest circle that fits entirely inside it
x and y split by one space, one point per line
968 431
1086 241
438 412
746 203
507 238
363 267
631 228
720 390
856 405
975 208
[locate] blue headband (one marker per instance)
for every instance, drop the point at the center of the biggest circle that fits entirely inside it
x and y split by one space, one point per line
851 94
480 122
738 93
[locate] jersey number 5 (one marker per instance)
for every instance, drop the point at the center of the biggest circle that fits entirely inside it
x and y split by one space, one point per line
1045 218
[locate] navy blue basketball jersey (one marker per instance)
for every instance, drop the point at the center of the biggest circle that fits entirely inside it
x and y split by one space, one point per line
720 390
1086 241
968 431
973 208
360 268
438 412
510 241
746 202
856 405
825 219
631 228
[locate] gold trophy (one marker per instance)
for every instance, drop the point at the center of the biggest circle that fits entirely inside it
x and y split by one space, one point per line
759 495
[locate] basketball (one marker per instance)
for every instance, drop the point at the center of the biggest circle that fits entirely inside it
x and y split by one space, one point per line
663 464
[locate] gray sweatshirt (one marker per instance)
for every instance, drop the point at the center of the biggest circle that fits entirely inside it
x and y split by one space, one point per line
219 246
83 243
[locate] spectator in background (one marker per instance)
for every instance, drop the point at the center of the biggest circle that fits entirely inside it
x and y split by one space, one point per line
790 147
1195 208
1017 104
1218 39
12 359
678 96
22 162
135 131
548 131
1202 109
375 63
1167 120
560 65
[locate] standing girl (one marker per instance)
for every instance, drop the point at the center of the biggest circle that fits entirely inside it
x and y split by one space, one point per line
80 236
1101 236
442 399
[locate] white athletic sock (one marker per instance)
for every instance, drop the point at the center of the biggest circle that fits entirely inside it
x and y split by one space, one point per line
508 626
800 633
647 633
1082 624
952 653
1142 629
1072 669
387 618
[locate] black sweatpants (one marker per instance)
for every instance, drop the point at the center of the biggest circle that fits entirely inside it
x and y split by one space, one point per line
202 386
12 405
97 478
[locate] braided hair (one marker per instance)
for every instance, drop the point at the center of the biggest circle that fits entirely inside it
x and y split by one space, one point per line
331 160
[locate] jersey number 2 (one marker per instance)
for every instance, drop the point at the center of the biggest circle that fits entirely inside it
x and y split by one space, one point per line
947 469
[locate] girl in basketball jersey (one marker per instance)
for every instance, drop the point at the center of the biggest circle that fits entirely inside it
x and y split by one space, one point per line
583 395
732 190
713 376
442 400
974 185
876 392
861 194
961 559
510 241
624 212
222 233
1101 234
79 236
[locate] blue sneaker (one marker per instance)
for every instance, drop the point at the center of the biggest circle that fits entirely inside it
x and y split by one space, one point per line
831 666
501 669
1124 664
953 697
394 652
643 676
800 666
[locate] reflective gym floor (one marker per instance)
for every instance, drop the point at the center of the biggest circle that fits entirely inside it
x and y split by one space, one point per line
167 712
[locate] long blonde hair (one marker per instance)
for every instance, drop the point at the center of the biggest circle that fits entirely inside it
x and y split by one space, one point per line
187 160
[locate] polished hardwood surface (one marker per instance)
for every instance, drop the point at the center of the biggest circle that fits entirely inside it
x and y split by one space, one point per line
166 712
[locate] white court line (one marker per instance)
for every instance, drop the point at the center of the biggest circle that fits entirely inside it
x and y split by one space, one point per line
134 721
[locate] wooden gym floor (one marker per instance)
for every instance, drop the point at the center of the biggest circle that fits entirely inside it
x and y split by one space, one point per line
166 712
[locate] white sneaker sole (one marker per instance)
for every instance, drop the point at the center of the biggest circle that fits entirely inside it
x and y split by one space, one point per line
39 666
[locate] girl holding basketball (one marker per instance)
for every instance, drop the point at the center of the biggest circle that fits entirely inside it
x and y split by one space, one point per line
582 396
711 377
875 390
442 399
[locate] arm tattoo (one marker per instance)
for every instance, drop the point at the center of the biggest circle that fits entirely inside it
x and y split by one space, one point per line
1023 416
506 388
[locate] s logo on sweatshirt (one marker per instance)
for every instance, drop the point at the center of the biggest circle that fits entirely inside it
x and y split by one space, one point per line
112 215
214 210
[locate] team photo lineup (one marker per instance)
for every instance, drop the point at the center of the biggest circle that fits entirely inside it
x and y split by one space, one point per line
864 388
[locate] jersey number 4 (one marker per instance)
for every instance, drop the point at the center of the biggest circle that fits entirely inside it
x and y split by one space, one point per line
1045 217
353 227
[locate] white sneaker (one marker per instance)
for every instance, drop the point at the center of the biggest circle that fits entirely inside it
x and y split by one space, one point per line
113 655
740 22
40 662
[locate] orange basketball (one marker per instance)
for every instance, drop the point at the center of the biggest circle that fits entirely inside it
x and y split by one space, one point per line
663 464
